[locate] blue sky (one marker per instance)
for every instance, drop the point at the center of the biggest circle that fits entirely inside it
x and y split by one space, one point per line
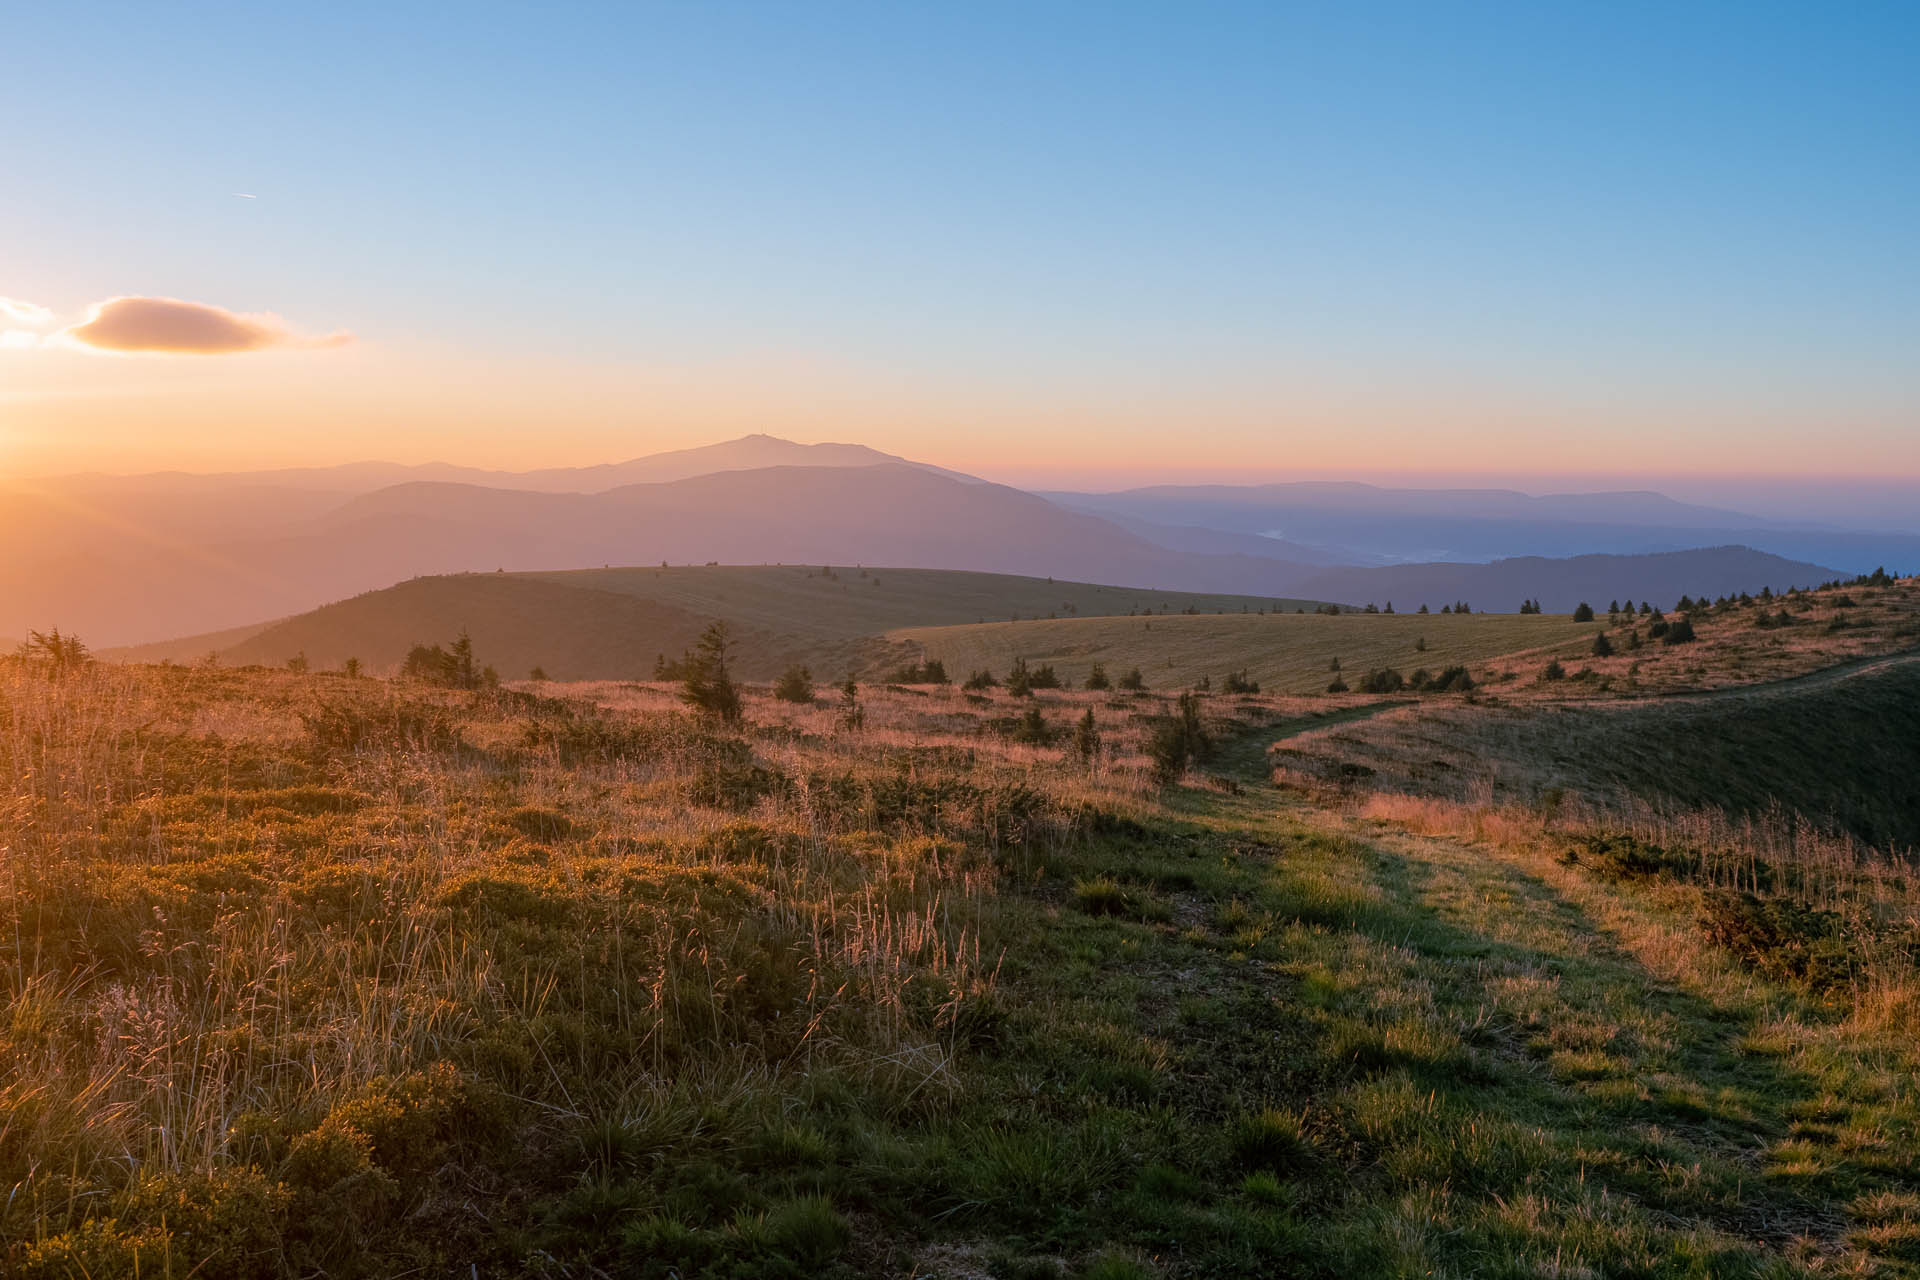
1309 233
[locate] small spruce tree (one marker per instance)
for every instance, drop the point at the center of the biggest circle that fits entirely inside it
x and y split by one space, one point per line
794 685
1019 679
707 684
1086 737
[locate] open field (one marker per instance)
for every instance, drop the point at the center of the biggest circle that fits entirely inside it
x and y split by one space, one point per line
1284 652
313 975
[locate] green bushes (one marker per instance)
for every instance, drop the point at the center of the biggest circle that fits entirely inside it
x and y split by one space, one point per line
1033 729
1783 938
1381 680
1454 679
1618 855
1178 740
1133 681
1086 737
452 667
1019 679
707 684
932 671
61 653
794 685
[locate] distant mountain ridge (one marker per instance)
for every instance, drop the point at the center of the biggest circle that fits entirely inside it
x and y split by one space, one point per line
1339 522
131 559
1184 501
1560 585
748 453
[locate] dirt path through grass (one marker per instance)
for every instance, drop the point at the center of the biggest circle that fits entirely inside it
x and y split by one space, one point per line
1502 1066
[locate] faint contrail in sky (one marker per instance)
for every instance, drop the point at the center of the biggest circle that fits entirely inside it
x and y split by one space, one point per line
244 196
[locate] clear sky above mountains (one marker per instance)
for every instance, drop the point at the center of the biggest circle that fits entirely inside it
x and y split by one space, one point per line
1092 244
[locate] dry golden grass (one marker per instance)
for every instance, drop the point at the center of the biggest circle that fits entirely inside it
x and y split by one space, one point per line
307 975
263 934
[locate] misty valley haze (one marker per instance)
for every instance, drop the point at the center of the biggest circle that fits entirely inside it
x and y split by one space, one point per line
127 560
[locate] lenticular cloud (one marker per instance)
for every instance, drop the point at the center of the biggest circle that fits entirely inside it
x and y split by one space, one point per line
186 328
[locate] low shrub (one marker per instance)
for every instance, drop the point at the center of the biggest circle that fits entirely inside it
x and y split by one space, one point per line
1620 856
1382 680
794 685
1782 938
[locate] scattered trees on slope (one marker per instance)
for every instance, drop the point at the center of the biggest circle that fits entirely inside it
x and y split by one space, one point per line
452 667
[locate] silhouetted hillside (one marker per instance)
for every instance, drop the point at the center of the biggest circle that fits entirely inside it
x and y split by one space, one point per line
516 624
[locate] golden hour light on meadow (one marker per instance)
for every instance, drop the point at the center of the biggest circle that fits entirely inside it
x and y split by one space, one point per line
976 642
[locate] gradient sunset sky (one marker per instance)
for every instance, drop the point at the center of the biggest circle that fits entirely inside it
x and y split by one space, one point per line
1061 244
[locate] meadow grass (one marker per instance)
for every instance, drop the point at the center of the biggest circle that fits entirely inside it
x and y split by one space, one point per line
307 976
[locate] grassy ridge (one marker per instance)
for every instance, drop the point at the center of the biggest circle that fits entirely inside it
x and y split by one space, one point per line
1285 652
605 624
1812 720
1840 755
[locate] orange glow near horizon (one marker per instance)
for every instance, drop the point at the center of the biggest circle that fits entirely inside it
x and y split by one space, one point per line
63 410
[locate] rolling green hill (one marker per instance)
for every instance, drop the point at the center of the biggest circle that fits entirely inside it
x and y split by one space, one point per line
516 624
1285 652
613 623
843 602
